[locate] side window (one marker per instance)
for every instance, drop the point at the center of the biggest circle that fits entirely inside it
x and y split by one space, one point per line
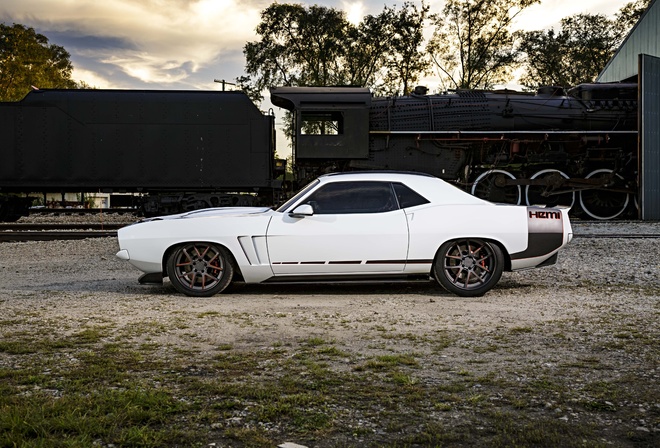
321 123
407 197
353 197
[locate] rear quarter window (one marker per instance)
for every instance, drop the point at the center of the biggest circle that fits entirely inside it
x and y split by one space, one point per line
408 197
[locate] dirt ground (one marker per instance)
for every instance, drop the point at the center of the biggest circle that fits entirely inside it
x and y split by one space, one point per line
76 282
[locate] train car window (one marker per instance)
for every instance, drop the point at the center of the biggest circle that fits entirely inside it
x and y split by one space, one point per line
353 197
321 123
407 197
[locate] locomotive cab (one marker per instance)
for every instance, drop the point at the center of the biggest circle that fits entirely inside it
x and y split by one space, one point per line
329 122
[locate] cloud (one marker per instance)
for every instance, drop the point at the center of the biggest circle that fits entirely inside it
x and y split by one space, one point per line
148 41
548 14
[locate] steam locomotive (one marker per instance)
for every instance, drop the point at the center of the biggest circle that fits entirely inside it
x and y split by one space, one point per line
183 150
552 147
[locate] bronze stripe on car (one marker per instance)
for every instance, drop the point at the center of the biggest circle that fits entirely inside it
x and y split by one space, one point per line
299 262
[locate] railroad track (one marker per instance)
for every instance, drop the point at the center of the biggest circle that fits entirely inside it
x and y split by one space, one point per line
57 231
31 227
6 237
82 211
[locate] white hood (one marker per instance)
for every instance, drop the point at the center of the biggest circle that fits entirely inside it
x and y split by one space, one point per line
210 212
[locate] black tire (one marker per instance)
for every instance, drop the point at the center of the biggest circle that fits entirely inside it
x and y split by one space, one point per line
468 267
200 269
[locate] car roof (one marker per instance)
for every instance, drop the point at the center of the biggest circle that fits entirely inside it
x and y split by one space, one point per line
432 188
378 172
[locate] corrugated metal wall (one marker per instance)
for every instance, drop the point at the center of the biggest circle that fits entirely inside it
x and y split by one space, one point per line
649 75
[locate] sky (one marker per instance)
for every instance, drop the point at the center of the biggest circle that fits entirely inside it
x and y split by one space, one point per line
186 44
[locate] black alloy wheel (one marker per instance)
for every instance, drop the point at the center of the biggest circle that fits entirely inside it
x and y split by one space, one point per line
468 267
200 269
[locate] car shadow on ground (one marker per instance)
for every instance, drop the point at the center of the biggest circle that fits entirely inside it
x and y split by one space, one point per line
130 286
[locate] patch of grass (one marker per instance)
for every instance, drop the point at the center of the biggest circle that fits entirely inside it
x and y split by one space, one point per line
29 343
386 362
452 387
17 347
442 340
316 342
513 429
403 379
332 351
489 348
102 385
130 417
208 314
540 385
144 328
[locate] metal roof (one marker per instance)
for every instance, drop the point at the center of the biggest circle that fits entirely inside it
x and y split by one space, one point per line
642 39
291 98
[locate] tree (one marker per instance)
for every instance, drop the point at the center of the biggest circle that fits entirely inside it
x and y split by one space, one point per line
405 60
579 51
298 46
318 46
629 15
27 59
471 45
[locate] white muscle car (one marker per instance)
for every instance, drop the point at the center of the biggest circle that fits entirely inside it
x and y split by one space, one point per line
367 226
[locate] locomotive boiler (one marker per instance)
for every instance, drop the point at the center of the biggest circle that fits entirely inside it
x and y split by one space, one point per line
576 148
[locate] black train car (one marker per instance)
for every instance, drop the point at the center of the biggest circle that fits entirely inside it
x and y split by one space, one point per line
551 147
185 149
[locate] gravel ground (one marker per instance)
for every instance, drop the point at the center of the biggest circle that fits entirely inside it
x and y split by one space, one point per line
590 274
86 218
600 302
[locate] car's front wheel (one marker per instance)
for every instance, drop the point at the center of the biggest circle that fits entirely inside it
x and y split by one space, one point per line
200 269
468 267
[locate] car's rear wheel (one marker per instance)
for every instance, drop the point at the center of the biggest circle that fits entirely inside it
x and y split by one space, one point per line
200 269
468 267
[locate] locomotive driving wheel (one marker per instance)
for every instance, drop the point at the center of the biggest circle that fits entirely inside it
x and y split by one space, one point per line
492 186
605 203
542 194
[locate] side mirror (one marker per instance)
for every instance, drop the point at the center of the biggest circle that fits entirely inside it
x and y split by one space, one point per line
301 211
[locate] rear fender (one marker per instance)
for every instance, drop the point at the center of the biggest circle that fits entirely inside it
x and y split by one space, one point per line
546 230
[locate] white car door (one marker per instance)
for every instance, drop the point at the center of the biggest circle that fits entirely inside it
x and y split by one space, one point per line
356 227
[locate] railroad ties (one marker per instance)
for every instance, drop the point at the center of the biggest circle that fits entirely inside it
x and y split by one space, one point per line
61 231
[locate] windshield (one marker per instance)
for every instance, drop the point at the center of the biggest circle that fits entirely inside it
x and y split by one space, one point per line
297 196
